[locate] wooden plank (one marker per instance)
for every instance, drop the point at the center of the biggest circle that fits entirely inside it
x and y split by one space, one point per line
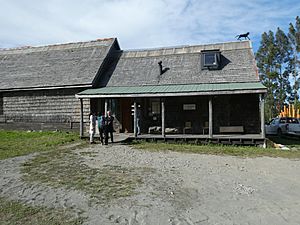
81 118
208 93
163 118
231 129
210 118
262 115
105 106
135 118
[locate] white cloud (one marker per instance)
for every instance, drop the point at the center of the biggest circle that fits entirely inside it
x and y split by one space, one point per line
137 23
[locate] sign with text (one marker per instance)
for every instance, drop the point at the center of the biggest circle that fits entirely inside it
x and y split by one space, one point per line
189 106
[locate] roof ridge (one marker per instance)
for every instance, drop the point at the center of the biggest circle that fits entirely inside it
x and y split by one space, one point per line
191 46
187 49
58 45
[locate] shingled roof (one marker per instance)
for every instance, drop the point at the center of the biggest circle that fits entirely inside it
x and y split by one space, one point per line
138 68
62 65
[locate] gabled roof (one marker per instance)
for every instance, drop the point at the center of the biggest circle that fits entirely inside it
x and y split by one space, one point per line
52 66
140 67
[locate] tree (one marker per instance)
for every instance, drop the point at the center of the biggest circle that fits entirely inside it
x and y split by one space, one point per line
283 51
266 62
294 63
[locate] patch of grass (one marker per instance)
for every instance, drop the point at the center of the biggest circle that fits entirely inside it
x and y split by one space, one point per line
12 212
89 154
17 143
65 169
242 151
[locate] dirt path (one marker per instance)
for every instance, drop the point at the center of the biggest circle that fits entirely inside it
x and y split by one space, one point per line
186 189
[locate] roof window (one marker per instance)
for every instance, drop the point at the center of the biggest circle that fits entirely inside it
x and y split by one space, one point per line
210 59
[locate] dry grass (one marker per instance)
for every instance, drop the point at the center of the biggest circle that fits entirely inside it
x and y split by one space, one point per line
12 212
242 151
65 169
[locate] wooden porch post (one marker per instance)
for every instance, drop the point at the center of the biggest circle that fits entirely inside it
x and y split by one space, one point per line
163 118
135 118
210 118
81 118
262 115
105 106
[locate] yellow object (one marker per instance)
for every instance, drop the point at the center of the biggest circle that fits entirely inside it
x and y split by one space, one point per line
290 111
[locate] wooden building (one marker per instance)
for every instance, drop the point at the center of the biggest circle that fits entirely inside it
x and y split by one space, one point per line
205 90
38 84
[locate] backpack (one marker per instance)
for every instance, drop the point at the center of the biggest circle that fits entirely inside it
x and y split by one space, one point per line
102 121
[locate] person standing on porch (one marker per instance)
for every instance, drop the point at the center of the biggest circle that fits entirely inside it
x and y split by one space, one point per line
109 129
93 119
101 126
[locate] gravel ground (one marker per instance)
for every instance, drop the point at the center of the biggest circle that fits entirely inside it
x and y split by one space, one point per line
179 188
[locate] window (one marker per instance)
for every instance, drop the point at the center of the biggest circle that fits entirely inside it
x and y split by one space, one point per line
282 120
211 59
155 106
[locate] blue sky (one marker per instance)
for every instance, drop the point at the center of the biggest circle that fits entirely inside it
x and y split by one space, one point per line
140 24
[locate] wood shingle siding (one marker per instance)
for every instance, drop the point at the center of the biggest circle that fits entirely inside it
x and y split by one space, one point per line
51 106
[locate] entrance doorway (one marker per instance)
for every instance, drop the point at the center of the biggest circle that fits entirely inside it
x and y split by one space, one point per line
127 126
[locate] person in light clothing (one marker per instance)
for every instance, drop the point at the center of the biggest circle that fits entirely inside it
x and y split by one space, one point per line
92 119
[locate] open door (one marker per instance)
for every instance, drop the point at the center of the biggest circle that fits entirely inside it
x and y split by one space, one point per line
126 115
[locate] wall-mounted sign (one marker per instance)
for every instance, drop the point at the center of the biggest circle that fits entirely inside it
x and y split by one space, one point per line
189 106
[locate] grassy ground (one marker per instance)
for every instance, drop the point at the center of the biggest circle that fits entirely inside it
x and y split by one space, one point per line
17 143
242 151
12 212
64 169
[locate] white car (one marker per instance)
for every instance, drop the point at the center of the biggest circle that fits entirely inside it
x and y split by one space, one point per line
277 126
283 125
293 127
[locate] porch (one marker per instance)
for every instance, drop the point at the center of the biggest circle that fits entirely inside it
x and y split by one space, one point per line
223 116
232 139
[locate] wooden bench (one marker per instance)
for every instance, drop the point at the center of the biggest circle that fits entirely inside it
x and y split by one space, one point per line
231 129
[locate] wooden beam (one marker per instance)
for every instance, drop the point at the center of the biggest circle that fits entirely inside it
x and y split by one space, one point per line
81 118
209 93
105 106
163 118
210 118
262 115
47 88
135 118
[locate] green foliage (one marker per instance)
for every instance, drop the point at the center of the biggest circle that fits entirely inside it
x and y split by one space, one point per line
278 65
294 62
17 143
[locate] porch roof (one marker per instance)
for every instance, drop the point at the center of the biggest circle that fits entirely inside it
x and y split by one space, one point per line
173 90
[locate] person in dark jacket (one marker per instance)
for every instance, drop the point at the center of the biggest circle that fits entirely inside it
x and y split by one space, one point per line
101 126
109 129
